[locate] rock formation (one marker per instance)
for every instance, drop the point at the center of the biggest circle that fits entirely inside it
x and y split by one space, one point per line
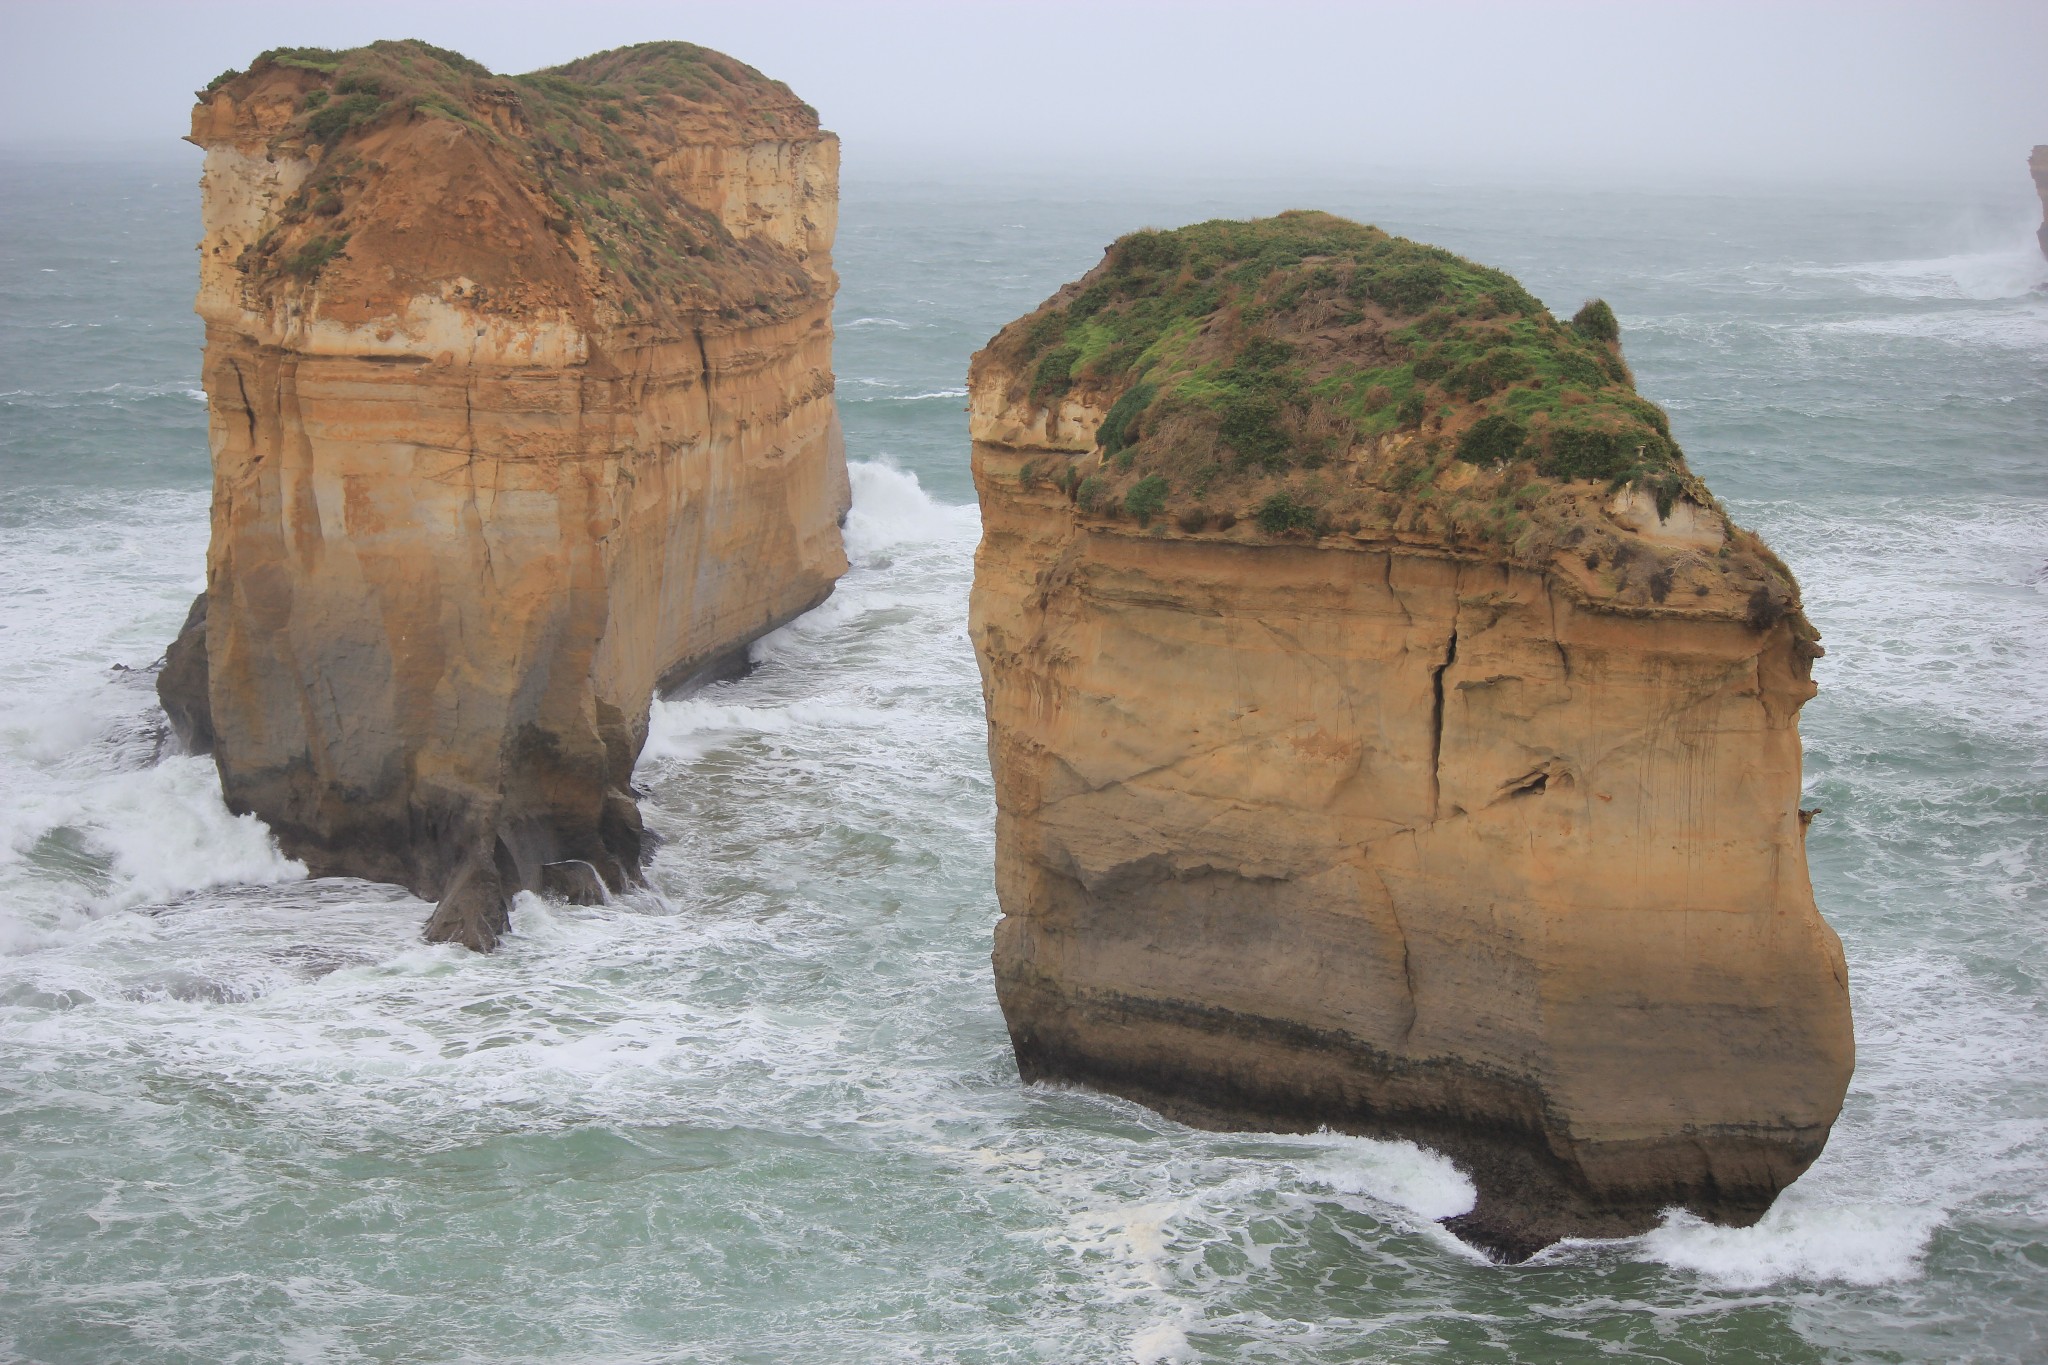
1391 733
2038 164
521 409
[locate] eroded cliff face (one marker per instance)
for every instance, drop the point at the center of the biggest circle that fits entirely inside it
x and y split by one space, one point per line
1469 836
521 408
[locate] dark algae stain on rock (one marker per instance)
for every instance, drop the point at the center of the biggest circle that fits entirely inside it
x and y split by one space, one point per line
1391 733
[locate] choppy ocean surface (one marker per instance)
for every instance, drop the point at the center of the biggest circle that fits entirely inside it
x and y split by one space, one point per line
765 1110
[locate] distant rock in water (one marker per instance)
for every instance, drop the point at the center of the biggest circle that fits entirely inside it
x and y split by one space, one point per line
1391 733
2038 164
521 408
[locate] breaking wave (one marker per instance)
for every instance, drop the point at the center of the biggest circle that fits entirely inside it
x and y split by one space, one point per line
2007 273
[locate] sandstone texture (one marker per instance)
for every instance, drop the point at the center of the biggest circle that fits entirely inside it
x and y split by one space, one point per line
521 409
1390 733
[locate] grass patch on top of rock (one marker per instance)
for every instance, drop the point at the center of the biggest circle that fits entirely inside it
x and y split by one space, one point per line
584 137
1287 339
1309 375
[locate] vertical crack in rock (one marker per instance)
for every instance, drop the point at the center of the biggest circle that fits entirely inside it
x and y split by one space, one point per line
704 381
1436 725
475 525
1407 960
248 408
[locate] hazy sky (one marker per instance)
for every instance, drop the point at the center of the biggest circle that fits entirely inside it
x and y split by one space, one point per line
1628 91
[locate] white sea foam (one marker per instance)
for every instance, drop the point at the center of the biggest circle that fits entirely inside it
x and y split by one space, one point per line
1800 1239
906 398
168 832
175 388
686 729
2007 273
2018 328
1922 605
1161 1343
1400 1174
890 508
122 839
93 824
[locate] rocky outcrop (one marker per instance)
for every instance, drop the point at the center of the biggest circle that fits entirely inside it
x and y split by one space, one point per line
2038 164
521 408
1390 733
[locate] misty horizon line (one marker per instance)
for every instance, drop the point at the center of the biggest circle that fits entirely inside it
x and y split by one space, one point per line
896 163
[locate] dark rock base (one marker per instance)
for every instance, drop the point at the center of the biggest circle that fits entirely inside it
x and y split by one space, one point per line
563 821
1222 1070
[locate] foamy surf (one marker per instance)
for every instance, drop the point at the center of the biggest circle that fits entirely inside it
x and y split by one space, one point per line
1800 1239
1395 1174
923 397
95 824
890 508
163 832
685 730
2008 272
2021 327
767 1108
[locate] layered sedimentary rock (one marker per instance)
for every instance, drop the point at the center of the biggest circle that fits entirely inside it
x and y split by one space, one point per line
521 409
1391 733
2038 164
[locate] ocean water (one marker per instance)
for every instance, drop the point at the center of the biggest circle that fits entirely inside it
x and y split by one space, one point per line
765 1110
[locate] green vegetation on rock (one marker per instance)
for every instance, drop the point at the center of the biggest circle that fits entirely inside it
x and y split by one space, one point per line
310 259
1281 513
1146 499
1296 333
1241 364
1597 321
1120 426
588 135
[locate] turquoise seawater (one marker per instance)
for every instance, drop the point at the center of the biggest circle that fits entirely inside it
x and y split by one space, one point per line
765 1110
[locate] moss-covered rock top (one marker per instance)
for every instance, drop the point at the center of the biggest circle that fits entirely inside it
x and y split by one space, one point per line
587 136
1308 376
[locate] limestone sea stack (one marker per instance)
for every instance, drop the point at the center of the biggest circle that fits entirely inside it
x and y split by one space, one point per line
2038 164
1391 733
521 410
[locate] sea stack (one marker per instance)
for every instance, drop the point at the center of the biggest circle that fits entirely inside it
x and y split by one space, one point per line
1390 733
2038 164
521 411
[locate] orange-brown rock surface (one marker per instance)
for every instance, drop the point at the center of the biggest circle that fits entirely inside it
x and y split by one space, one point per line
521 408
1391 817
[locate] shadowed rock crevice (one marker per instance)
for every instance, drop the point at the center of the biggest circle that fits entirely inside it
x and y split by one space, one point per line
181 684
1436 720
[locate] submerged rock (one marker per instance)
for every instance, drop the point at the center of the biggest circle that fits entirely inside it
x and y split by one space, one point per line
521 408
1391 733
